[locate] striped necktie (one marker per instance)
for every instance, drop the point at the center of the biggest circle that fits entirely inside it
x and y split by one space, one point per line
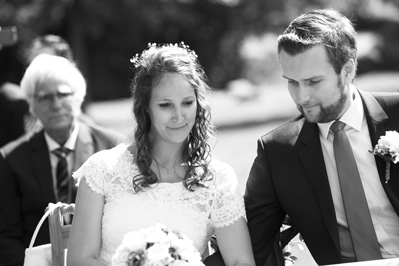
62 174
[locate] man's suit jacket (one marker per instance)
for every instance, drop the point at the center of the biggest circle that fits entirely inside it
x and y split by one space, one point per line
289 176
26 187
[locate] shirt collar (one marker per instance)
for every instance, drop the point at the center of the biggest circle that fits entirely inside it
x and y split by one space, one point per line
353 117
69 144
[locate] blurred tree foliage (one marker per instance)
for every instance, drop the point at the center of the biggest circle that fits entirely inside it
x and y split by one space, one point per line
105 34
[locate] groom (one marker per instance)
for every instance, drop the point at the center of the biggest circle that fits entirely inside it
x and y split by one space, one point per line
302 168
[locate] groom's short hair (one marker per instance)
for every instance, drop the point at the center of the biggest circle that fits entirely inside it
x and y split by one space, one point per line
326 27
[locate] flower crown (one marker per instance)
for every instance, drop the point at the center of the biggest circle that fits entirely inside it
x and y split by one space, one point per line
138 59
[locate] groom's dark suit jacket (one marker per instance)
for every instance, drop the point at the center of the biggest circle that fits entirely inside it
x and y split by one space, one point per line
26 187
289 176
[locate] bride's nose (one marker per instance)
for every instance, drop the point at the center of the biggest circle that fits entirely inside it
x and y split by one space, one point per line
178 115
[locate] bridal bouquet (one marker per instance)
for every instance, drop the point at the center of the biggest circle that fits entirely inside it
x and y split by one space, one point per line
156 246
388 149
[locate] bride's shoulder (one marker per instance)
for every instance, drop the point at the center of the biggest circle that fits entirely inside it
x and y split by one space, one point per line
220 166
107 167
223 173
112 154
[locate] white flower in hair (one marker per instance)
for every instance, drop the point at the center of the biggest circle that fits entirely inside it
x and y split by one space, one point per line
139 59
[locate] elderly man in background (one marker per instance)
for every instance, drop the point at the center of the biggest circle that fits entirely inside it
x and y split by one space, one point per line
15 118
37 170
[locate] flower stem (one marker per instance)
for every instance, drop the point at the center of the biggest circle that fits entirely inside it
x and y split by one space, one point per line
387 171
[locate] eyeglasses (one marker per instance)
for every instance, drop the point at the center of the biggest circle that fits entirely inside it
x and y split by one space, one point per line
50 97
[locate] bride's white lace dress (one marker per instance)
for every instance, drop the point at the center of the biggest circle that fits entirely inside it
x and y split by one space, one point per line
194 214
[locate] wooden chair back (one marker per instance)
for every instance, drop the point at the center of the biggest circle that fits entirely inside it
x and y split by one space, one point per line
59 231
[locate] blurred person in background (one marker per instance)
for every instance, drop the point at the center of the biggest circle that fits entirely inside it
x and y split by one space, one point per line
15 118
49 44
38 170
298 170
13 111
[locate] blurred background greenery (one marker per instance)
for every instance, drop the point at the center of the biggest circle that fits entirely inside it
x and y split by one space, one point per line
234 39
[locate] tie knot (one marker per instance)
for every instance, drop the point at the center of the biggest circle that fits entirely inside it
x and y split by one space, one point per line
61 152
337 126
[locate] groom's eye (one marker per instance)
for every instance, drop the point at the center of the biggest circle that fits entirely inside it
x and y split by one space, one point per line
314 81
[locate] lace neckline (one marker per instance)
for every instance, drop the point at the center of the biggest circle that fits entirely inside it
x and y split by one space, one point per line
131 159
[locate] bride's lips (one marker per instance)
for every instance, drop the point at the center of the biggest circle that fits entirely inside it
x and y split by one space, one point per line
178 128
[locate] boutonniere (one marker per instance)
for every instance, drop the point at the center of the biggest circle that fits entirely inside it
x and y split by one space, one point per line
388 149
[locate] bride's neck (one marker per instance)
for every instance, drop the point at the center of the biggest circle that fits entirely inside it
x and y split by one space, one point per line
168 155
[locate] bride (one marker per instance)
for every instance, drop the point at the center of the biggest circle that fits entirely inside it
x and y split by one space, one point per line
166 175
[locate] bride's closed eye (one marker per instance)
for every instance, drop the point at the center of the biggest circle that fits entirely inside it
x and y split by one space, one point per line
165 105
188 103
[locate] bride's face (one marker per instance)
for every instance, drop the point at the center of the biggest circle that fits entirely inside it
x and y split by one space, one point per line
172 109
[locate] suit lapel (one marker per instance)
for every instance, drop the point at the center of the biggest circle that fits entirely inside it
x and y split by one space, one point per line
376 118
378 123
84 146
312 159
41 166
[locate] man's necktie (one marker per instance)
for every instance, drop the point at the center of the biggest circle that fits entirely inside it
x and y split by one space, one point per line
62 174
364 239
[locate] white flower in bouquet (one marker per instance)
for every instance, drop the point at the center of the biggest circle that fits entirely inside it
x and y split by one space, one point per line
179 263
159 252
134 241
155 234
156 246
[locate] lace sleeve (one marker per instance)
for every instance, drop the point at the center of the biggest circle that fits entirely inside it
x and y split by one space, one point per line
228 204
94 172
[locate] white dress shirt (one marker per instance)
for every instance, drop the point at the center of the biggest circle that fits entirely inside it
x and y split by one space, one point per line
385 220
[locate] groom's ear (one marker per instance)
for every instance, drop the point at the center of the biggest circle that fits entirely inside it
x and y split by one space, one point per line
348 71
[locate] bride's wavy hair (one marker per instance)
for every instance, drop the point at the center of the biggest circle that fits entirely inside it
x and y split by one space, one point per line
150 66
